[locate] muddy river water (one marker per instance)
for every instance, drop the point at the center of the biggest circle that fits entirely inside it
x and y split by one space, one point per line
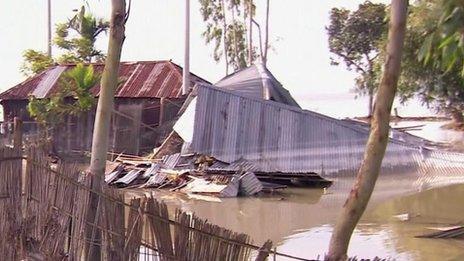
299 220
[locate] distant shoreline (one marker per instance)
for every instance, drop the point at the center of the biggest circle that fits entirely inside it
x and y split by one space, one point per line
400 118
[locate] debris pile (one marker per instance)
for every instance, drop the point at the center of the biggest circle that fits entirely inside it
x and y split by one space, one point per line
202 174
190 175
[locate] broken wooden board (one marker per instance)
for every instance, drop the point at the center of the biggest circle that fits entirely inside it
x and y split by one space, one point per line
455 233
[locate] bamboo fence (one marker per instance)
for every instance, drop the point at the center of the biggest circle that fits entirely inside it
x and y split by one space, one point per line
45 216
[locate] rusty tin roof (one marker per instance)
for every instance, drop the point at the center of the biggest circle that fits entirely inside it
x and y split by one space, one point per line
143 79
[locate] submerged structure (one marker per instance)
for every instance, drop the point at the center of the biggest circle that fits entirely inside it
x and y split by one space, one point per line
235 129
273 137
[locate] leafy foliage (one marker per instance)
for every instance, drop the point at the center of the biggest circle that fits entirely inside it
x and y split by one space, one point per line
437 85
35 62
72 98
443 45
82 46
226 28
76 38
355 40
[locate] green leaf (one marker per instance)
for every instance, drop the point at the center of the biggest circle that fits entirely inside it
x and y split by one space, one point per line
425 52
446 41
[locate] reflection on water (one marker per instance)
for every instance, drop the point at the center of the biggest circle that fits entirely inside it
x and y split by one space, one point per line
369 240
299 221
431 130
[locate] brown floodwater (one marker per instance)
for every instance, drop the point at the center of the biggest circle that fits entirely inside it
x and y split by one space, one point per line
299 220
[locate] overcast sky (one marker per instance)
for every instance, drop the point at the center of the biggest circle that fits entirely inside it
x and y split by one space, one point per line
155 32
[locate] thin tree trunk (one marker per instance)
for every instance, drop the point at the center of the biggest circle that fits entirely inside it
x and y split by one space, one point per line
224 36
109 84
266 39
237 59
100 139
378 138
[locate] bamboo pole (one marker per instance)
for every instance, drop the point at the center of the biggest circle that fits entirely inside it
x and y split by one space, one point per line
17 133
186 71
49 28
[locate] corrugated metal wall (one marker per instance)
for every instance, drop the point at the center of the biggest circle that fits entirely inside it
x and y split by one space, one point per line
277 137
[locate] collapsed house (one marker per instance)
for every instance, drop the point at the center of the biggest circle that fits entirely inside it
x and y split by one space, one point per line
249 124
146 103
277 138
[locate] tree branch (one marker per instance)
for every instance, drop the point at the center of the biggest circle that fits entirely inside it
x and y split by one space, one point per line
351 62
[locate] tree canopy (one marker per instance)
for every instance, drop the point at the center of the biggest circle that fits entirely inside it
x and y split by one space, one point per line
433 55
355 40
226 29
443 45
430 71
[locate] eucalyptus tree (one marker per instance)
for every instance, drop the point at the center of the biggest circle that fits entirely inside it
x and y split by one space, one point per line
229 26
377 142
109 83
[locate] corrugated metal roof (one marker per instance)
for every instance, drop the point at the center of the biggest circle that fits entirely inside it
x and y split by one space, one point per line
257 81
147 79
277 137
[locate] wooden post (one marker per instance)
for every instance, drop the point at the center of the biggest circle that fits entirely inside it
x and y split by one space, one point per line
161 111
186 70
69 133
17 132
264 251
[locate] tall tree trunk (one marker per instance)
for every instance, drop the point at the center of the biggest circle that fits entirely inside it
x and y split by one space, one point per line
236 54
266 39
378 137
100 139
250 32
224 36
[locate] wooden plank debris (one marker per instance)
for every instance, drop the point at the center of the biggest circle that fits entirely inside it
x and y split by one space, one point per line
455 232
